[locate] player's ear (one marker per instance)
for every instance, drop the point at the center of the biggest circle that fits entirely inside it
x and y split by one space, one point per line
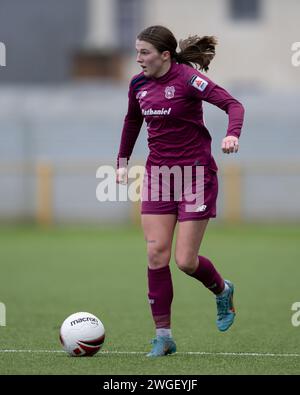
166 55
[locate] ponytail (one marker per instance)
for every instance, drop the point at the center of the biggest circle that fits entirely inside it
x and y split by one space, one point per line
196 50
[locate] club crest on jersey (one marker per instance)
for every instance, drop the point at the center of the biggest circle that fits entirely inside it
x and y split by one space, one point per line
169 92
198 83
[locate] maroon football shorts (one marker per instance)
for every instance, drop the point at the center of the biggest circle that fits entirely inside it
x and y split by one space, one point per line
191 195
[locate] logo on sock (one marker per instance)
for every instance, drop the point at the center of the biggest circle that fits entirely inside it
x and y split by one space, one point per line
212 286
151 301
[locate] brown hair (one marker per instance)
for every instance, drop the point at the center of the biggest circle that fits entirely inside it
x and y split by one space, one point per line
194 50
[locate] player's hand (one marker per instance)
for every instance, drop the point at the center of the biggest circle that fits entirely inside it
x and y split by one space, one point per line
230 144
122 175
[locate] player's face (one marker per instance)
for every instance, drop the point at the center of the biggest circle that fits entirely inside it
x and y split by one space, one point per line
151 61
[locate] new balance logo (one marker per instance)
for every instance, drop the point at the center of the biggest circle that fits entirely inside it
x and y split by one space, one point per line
201 208
151 301
214 285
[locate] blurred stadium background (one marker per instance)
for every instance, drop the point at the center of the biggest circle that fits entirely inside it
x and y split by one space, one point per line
63 97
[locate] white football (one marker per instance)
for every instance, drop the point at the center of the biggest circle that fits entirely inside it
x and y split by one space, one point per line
82 334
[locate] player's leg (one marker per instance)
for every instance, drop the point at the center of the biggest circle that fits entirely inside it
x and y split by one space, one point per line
159 231
189 237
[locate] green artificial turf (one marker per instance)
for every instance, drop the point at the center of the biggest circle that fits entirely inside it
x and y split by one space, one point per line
48 274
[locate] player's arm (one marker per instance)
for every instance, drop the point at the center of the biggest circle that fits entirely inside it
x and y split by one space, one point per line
131 128
204 89
235 110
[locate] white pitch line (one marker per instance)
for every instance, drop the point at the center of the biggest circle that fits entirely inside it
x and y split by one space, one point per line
235 354
31 351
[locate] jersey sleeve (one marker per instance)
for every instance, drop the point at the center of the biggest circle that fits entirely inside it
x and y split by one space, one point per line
203 88
131 128
198 85
219 97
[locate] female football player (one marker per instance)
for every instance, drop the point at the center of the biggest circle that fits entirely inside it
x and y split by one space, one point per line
168 94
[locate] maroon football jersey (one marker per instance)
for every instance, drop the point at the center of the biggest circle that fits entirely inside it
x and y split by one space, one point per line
172 109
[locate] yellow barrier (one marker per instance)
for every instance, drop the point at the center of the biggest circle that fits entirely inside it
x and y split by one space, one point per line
232 187
44 212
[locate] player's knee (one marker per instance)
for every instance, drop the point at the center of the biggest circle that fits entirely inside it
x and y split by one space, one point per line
186 263
158 256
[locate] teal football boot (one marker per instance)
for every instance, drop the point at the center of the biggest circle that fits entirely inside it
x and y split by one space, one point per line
225 308
162 345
